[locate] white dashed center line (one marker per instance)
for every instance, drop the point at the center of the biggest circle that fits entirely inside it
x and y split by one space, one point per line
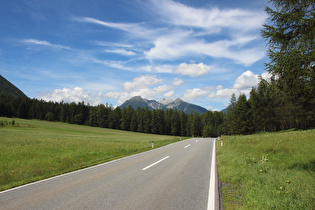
155 163
186 146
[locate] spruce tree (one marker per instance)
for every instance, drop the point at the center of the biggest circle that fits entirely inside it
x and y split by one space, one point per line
291 39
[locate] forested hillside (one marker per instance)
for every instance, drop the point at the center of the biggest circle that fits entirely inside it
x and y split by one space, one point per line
8 88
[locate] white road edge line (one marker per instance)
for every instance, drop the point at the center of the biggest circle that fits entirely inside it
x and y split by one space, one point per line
186 146
155 163
211 195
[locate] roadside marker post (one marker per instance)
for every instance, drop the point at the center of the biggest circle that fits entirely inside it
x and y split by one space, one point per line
152 145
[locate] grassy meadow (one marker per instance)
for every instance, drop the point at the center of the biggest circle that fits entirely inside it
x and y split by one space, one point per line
32 149
268 170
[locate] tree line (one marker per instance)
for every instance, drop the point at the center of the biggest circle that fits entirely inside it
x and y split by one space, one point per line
168 122
267 109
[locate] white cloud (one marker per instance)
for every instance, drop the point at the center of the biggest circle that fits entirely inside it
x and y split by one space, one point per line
158 68
121 52
247 80
192 70
44 43
188 33
113 64
76 94
194 93
223 93
141 82
171 45
219 87
212 18
237 26
169 94
266 75
132 28
141 86
174 47
112 44
242 84
177 82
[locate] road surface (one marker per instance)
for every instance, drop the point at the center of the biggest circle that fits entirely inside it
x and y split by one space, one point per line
176 176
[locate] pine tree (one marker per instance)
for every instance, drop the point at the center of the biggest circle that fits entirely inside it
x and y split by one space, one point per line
134 121
291 52
125 119
175 123
147 120
241 123
155 123
183 123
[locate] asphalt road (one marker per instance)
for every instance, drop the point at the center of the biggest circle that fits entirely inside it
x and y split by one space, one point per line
176 176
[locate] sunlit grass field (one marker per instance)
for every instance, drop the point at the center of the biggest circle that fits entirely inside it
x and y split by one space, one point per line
268 170
32 150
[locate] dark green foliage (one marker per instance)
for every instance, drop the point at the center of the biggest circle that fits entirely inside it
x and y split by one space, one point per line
175 124
147 120
243 118
291 39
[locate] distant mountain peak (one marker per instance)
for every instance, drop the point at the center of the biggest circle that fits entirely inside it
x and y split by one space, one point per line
165 101
136 98
178 104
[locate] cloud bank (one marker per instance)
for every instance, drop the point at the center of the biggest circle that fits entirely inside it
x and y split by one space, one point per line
76 95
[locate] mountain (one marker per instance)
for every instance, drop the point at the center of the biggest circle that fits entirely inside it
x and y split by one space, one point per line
186 107
164 104
7 88
137 101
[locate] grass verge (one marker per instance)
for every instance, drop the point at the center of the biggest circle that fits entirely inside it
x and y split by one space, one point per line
32 150
268 170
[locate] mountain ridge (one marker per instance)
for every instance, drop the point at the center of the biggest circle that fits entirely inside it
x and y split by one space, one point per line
7 88
164 104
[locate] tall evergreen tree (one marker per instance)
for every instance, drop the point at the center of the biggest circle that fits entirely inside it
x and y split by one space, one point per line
147 120
175 123
140 119
134 121
227 127
102 115
291 39
183 122
92 117
125 119
155 123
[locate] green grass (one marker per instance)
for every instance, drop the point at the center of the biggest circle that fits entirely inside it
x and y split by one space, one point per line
32 150
284 180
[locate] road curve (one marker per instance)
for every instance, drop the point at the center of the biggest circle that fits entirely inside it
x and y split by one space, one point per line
176 176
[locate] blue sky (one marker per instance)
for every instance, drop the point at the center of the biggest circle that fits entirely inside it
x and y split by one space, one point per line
107 51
